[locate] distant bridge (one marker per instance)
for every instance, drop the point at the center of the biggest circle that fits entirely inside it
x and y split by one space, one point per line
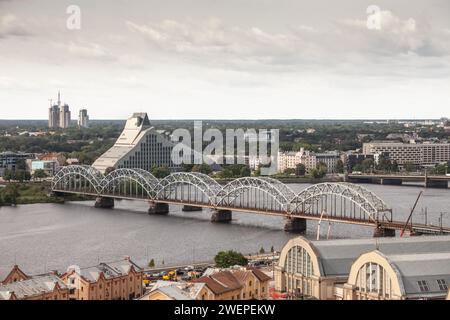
429 181
334 202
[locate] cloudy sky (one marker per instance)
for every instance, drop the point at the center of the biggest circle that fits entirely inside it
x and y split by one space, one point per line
231 59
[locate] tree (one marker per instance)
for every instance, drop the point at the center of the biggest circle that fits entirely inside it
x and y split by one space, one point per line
384 164
151 264
7 175
21 165
395 166
187 167
410 167
367 165
272 249
245 172
225 173
289 171
39 174
300 170
22 175
160 172
320 171
339 166
10 195
202 168
440 169
226 259
262 251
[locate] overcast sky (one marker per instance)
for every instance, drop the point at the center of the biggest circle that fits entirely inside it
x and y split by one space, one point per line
212 59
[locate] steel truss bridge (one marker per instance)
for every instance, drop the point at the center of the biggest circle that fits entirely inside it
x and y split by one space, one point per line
334 202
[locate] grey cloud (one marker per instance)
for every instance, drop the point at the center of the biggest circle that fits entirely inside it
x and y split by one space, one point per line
302 45
10 25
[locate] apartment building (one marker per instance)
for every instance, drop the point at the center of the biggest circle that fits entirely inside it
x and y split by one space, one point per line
9 160
421 154
290 160
117 280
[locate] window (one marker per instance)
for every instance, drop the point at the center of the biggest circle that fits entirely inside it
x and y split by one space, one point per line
442 284
423 286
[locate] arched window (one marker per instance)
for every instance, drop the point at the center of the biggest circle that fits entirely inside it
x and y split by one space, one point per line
299 261
373 278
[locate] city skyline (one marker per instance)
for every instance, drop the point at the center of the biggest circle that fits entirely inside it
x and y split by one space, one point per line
274 60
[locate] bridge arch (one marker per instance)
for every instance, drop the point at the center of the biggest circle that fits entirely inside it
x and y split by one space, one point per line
271 194
184 186
327 197
129 182
77 177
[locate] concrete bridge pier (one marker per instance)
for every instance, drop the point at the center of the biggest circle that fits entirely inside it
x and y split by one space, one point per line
221 216
412 233
381 232
187 208
158 208
104 203
295 225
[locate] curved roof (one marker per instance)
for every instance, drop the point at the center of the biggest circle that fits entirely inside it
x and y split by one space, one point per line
413 272
337 256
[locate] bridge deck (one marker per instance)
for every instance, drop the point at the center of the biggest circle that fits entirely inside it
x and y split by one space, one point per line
384 223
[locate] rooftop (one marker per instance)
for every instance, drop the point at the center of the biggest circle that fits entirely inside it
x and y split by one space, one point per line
31 287
336 256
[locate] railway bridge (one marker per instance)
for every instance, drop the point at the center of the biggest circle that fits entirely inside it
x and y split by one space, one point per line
335 202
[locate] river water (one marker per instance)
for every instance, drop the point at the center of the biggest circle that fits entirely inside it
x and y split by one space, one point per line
44 237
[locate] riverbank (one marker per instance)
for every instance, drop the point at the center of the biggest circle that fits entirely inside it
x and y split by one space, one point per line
32 193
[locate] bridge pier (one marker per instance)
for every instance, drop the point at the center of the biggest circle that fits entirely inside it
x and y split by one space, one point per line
412 233
158 208
380 232
221 216
104 203
295 225
187 208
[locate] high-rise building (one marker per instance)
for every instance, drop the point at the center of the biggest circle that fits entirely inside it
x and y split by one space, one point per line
53 117
83 119
64 116
53 114
59 115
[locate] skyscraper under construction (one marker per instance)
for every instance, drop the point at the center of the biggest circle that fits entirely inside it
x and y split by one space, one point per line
59 115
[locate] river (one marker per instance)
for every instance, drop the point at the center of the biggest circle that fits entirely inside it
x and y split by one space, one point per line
44 237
